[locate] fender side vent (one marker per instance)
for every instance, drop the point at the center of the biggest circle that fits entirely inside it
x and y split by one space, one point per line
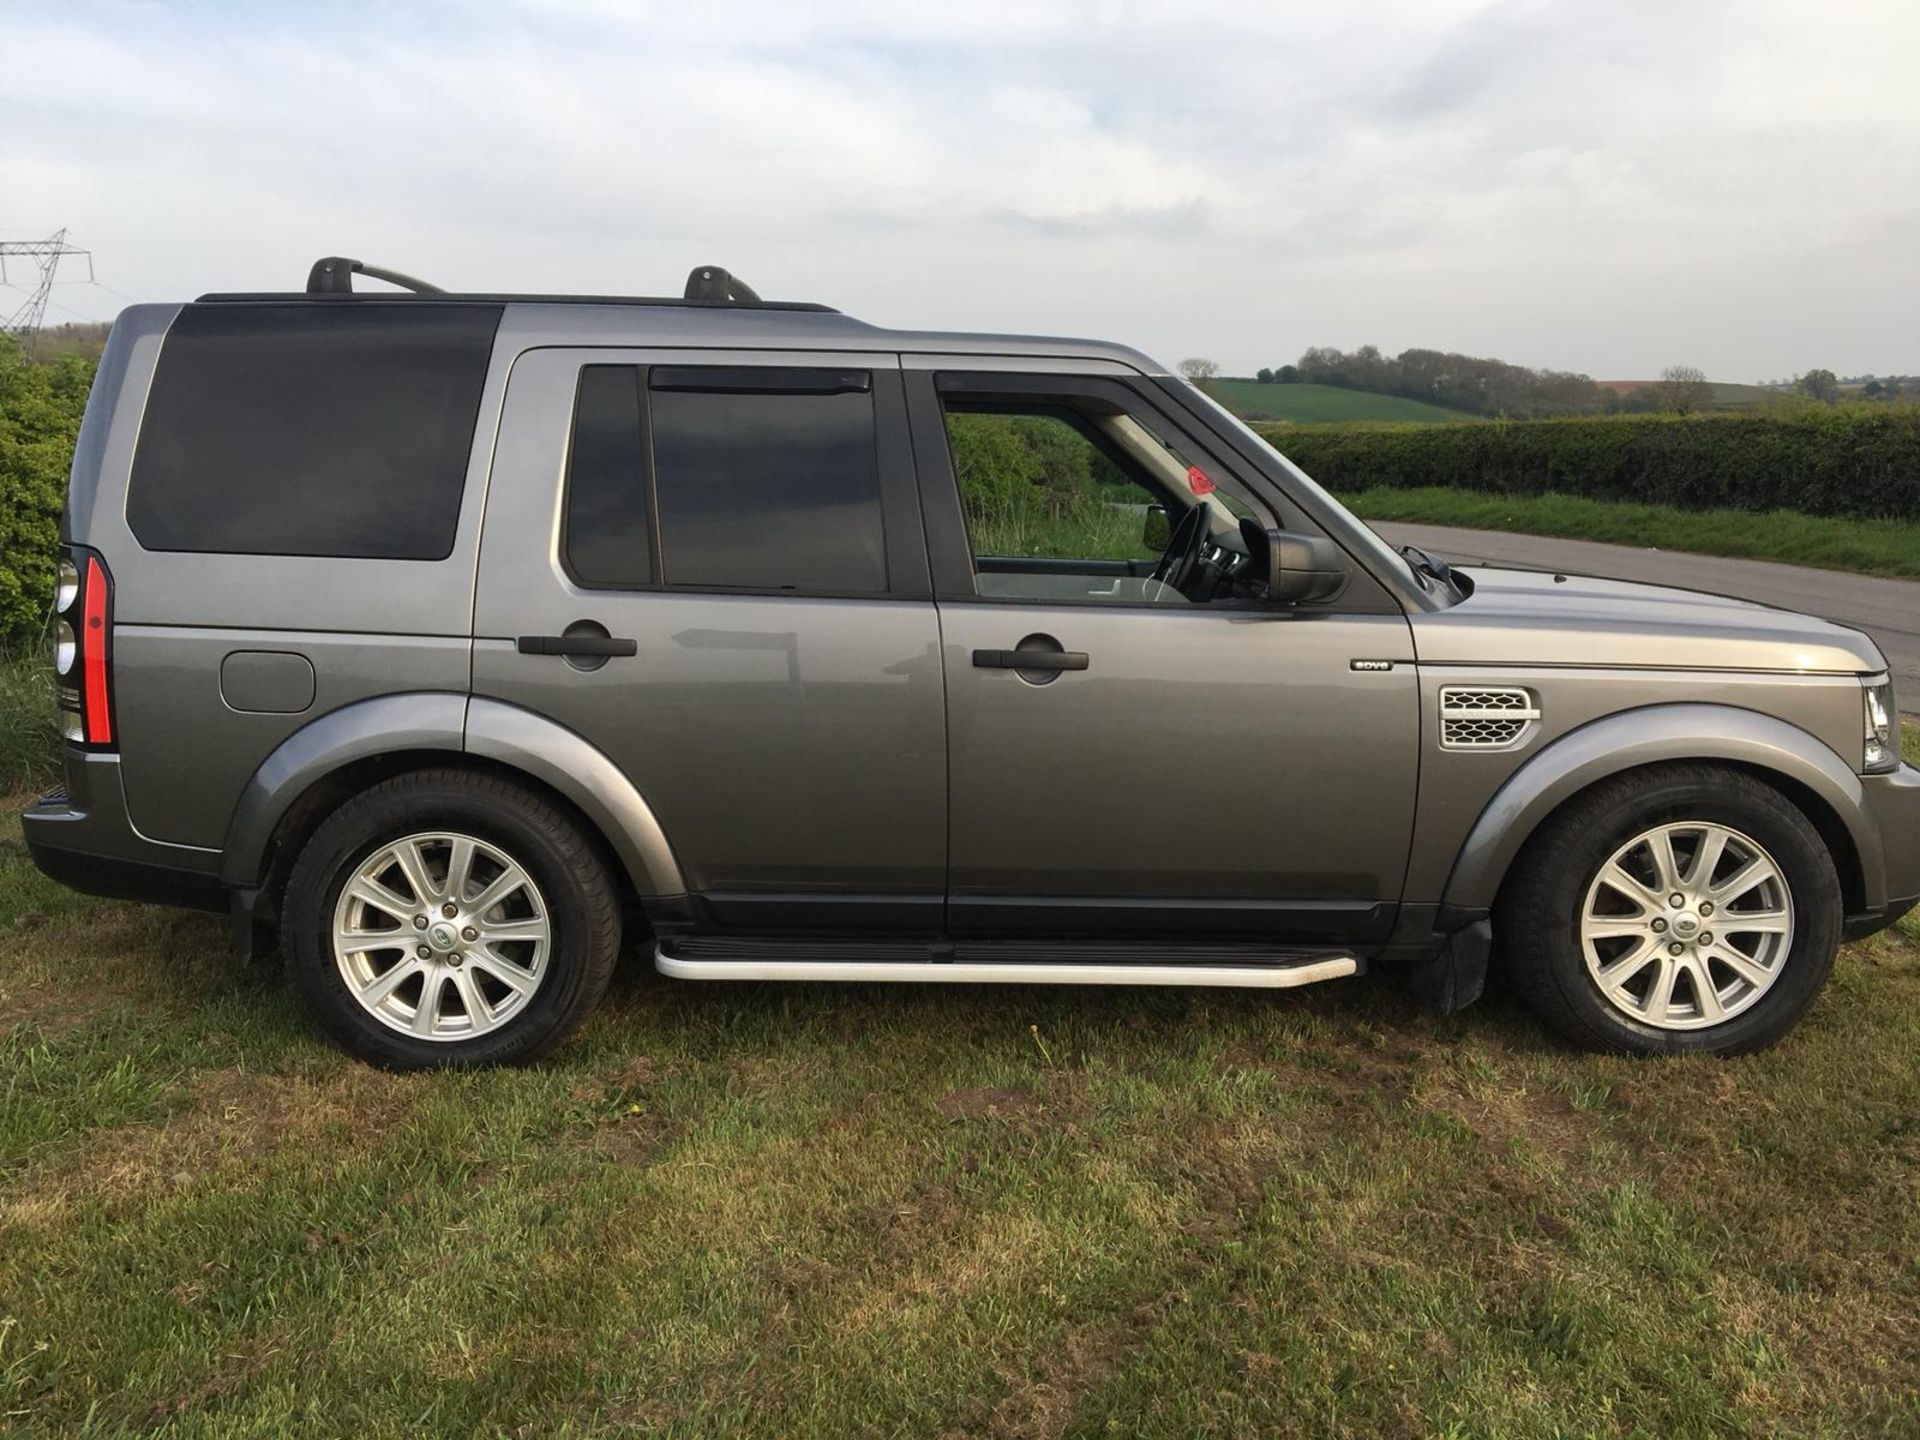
1485 717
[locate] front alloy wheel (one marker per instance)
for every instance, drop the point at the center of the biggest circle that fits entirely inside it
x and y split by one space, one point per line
1687 925
1681 907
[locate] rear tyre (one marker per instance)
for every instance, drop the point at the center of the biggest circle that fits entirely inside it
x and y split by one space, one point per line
1676 909
449 918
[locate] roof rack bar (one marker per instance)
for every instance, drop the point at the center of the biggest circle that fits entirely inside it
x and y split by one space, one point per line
333 275
714 285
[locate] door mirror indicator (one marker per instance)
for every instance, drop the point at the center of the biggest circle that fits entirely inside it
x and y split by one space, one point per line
1302 568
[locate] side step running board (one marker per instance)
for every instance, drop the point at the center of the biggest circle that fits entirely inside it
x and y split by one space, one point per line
766 962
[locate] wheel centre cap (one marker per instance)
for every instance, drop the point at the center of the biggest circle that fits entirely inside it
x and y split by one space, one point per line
1685 925
442 936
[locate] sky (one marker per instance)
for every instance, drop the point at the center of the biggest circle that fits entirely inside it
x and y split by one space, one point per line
1607 188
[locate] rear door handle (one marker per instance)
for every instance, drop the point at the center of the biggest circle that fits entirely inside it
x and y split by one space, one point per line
576 645
1030 659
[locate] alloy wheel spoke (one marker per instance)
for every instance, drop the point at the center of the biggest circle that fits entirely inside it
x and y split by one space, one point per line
427 1012
1617 879
1616 927
508 881
359 940
1744 966
1755 872
479 1013
1756 922
413 865
1615 974
514 977
369 891
534 928
385 985
459 867
1660 997
1713 845
1704 994
1660 843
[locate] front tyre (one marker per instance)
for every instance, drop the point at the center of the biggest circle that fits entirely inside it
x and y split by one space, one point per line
446 917
1679 908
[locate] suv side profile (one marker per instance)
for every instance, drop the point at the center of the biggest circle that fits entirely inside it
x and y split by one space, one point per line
447 640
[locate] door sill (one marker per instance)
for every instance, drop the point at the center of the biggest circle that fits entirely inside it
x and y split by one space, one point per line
1001 963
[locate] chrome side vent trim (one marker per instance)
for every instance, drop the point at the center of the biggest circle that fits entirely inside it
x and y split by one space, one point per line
1486 717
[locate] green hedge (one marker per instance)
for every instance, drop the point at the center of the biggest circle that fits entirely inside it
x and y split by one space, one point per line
40 409
1862 462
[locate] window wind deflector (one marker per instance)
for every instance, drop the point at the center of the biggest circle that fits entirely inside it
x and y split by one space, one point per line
759 380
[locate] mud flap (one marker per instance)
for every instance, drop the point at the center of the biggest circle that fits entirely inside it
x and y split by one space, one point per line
1455 977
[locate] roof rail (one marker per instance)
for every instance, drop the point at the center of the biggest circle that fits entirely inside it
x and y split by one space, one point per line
333 275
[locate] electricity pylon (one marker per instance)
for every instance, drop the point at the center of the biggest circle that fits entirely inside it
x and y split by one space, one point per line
47 255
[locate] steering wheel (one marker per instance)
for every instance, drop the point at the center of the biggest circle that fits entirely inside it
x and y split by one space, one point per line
1182 555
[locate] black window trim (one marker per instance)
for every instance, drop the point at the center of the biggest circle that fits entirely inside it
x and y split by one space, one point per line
902 532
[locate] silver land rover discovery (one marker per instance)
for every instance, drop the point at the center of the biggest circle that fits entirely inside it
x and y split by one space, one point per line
450 639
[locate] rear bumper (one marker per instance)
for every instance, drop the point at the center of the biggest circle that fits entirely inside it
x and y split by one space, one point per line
81 836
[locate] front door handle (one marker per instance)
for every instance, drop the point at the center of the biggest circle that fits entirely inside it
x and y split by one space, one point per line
1030 659
576 645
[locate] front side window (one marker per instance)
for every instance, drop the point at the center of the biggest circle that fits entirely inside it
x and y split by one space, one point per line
1064 502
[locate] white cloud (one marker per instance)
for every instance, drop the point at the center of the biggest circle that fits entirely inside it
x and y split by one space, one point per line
1609 189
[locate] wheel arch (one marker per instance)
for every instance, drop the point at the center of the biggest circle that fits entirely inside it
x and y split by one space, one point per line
344 751
1799 765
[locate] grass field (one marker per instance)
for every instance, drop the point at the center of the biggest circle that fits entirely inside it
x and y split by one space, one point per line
1870 547
819 1211
1322 404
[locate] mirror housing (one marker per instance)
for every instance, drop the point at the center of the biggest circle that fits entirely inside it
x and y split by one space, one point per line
1157 533
1302 568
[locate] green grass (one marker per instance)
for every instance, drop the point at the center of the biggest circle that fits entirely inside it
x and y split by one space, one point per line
1323 404
29 726
1870 547
818 1211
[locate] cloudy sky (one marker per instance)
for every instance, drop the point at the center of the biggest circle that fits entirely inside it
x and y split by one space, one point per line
1600 187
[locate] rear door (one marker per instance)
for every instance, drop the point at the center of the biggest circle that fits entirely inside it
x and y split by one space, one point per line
1218 769
749 522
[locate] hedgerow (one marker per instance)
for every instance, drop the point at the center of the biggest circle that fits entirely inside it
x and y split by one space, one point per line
1861 461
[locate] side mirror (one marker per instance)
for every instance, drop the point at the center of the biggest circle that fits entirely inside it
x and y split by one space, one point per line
1157 533
1301 568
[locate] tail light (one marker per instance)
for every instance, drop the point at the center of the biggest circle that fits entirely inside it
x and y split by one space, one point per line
82 648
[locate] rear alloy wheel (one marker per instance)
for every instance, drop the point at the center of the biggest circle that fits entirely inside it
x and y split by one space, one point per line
447 917
1683 907
441 936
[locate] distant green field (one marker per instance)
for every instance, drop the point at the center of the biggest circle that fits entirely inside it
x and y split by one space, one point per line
1322 404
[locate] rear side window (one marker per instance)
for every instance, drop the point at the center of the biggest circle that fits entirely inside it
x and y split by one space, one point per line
767 479
608 538
315 428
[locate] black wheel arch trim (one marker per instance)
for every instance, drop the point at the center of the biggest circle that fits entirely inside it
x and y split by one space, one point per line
1652 735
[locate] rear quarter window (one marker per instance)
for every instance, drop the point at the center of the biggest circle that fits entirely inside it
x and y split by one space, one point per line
316 428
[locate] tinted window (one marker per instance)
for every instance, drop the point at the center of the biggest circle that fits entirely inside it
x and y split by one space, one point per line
311 428
766 489
607 532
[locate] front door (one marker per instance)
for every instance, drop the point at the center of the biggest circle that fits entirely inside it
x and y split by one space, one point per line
753 529
1142 764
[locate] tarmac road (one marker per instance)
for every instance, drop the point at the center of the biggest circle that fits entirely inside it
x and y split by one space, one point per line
1888 610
